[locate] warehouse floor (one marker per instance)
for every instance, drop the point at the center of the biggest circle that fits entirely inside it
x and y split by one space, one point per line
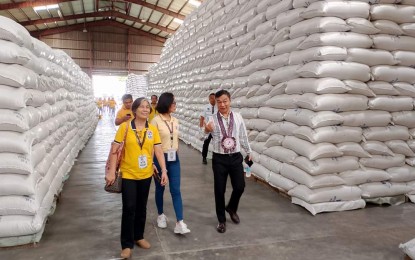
86 224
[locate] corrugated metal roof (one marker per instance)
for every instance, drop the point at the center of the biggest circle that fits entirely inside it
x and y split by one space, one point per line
155 17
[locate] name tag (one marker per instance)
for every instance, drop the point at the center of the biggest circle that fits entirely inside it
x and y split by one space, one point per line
171 155
142 161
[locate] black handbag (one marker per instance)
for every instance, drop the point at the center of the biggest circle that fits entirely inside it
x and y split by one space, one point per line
116 187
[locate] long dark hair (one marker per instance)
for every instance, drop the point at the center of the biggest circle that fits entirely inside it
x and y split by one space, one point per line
165 101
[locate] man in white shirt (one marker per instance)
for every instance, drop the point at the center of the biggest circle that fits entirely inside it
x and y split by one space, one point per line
229 136
205 117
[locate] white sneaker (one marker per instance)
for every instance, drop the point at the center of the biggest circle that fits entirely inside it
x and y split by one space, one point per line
181 228
162 221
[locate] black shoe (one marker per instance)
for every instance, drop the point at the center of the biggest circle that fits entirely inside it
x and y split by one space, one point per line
204 160
233 215
221 228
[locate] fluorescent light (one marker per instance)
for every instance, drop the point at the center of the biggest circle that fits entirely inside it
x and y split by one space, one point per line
195 3
45 7
177 20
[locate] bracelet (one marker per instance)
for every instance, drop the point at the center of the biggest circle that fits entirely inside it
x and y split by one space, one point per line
165 170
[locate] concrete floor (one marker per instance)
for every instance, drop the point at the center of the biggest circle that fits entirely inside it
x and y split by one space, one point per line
86 224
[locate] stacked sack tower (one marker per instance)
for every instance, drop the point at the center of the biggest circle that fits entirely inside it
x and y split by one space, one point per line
326 89
47 114
137 85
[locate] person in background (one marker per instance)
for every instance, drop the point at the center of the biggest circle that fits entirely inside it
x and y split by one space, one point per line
168 127
100 105
205 117
154 112
142 141
124 114
229 135
106 103
112 105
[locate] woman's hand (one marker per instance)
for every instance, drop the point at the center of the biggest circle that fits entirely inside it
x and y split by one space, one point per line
164 179
110 179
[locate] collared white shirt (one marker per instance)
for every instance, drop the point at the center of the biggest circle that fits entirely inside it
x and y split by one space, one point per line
239 133
208 112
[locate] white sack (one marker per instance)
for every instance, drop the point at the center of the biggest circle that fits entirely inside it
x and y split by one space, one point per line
335 69
329 134
305 117
326 165
405 89
11 53
361 25
270 163
299 176
15 163
359 88
388 27
386 133
260 171
391 103
339 39
282 101
15 75
318 25
273 62
309 150
281 154
15 142
259 77
377 148
262 137
288 45
281 128
393 43
328 194
408 29
396 13
272 114
274 140
284 74
352 149
340 9
280 182
276 9
361 176
401 174
382 88
383 162
261 52
401 147
409 248
332 102
404 58
11 120
288 18
13 98
405 118
330 206
316 86
258 124
249 113
393 73
383 189
370 57
331 53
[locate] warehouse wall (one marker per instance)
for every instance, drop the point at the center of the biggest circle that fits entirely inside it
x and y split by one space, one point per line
107 49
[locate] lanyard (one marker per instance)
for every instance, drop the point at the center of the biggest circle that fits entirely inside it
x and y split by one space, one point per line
213 110
139 142
171 132
222 127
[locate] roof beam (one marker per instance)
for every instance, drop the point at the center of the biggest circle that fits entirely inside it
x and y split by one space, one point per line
157 8
97 14
32 3
79 27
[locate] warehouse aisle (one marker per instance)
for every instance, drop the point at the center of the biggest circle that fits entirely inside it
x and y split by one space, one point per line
86 224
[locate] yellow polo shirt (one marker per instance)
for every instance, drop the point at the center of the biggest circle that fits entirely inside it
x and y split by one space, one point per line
153 113
112 103
123 112
164 131
129 164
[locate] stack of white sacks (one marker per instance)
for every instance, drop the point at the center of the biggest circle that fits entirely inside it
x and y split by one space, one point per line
137 85
325 88
46 117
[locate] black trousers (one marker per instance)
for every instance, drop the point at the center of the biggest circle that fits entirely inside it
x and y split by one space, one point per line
224 165
134 210
206 146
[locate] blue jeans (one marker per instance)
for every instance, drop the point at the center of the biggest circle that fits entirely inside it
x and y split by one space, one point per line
173 172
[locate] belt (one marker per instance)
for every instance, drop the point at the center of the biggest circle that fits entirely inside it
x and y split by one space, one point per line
227 154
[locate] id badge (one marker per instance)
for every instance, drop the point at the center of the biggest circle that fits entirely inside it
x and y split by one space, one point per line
142 161
171 155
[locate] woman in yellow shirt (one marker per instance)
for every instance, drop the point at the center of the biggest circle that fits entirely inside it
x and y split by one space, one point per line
142 141
168 127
